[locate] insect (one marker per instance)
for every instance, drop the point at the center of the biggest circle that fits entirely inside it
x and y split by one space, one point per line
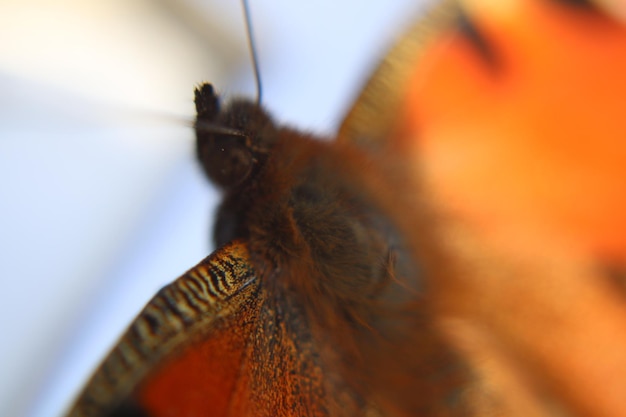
339 289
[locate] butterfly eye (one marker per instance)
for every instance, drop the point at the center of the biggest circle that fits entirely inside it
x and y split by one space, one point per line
226 160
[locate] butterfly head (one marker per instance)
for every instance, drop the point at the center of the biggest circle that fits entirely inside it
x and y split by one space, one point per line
232 143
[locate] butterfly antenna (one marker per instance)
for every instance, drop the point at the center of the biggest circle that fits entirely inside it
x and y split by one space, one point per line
255 60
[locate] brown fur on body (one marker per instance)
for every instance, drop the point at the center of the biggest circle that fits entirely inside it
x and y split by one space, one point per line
338 280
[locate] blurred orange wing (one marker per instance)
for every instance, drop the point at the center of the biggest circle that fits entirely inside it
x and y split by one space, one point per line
512 117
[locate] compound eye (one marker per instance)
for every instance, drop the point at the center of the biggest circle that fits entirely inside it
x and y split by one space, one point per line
226 160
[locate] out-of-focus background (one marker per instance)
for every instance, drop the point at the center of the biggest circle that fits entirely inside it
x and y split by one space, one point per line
101 201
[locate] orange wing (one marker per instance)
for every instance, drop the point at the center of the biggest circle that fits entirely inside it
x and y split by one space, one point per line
207 305
528 132
517 127
511 117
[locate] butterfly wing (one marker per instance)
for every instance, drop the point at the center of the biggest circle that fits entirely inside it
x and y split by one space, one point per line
511 117
154 363
374 116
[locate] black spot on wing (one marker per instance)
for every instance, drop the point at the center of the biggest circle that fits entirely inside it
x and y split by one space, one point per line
588 4
129 409
588 7
478 40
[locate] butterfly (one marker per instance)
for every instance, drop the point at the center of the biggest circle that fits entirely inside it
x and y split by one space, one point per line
446 255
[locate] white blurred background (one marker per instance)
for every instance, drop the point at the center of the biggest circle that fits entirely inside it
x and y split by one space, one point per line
101 201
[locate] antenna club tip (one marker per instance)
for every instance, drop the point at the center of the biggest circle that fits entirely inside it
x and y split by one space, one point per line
206 101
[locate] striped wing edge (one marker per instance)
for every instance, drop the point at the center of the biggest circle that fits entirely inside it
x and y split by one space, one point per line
193 305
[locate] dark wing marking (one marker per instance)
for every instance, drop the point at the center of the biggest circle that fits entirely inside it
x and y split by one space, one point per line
373 116
477 39
195 304
588 4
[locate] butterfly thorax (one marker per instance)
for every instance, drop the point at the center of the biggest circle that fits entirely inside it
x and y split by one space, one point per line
280 195
316 233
